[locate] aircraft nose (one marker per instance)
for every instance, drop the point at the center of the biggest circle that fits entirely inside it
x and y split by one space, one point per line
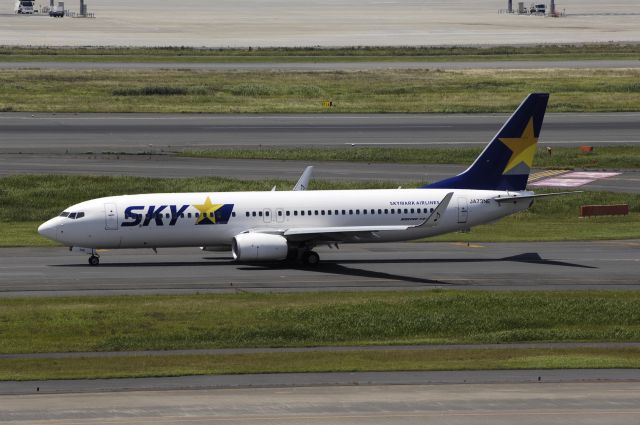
48 230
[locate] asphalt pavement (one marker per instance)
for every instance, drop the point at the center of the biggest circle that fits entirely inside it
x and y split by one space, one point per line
390 266
549 397
41 133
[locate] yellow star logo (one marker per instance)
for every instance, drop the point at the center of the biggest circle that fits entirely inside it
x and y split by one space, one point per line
207 212
523 148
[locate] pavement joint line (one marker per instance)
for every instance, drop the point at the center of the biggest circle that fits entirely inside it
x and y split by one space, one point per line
267 350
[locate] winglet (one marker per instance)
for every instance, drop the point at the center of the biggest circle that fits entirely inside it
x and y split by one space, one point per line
437 213
303 181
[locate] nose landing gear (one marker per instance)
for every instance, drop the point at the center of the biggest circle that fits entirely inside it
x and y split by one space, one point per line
94 260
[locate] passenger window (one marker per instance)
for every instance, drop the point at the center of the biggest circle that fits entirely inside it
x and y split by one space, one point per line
350 212
328 212
188 215
357 212
248 214
260 213
364 211
233 214
379 211
316 212
253 213
431 210
302 212
166 215
344 212
288 213
279 213
295 213
386 211
266 213
322 212
308 212
406 211
197 215
336 212
393 211
411 210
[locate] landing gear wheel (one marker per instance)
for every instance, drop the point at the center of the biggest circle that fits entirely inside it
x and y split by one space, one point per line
94 260
311 258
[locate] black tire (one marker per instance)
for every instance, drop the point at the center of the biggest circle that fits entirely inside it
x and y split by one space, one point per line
94 261
311 258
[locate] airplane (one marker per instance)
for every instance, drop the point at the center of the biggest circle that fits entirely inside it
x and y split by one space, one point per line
287 225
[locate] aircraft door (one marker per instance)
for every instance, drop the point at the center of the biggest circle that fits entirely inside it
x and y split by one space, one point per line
111 217
266 215
463 210
280 215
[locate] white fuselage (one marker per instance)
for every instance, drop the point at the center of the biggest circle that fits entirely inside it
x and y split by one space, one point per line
176 219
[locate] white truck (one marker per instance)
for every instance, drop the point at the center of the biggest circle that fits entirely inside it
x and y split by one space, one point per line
57 11
24 7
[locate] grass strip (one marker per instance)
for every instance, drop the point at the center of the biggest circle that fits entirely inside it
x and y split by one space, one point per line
175 91
28 201
122 323
614 157
592 51
359 361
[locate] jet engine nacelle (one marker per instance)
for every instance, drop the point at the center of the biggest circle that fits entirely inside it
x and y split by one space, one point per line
259 247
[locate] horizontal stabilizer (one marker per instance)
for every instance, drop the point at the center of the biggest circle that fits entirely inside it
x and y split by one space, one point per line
532 196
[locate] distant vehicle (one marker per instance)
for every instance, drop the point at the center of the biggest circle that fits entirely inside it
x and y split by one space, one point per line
24 7
538 9
57 11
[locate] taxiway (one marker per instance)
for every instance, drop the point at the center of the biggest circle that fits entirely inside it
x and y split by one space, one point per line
391 266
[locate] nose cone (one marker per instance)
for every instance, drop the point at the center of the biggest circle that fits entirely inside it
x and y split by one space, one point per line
48 229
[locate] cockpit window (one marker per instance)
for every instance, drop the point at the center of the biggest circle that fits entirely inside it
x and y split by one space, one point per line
72 215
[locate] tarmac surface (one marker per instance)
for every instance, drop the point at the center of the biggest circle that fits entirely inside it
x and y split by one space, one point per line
159 133
324 66
141 144
391 266
229 23
376 402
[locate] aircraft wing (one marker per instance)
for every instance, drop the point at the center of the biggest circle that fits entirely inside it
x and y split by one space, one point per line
340 233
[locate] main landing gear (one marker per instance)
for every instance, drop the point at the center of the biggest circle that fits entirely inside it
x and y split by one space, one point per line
310 258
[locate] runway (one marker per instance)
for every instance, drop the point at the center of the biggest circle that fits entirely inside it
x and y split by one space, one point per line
522 403
324 65
158 133
392 266
165 166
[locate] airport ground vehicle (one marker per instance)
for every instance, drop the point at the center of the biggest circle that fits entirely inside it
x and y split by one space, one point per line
23 7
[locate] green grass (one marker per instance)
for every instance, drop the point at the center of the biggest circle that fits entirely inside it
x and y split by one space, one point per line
311 54
465 91
392 360
318 319
30 200
562 157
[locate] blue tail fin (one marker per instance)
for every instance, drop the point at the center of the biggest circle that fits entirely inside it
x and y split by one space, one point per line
506 162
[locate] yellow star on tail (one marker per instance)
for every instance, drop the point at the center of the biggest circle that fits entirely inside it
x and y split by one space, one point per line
523 148
207 211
